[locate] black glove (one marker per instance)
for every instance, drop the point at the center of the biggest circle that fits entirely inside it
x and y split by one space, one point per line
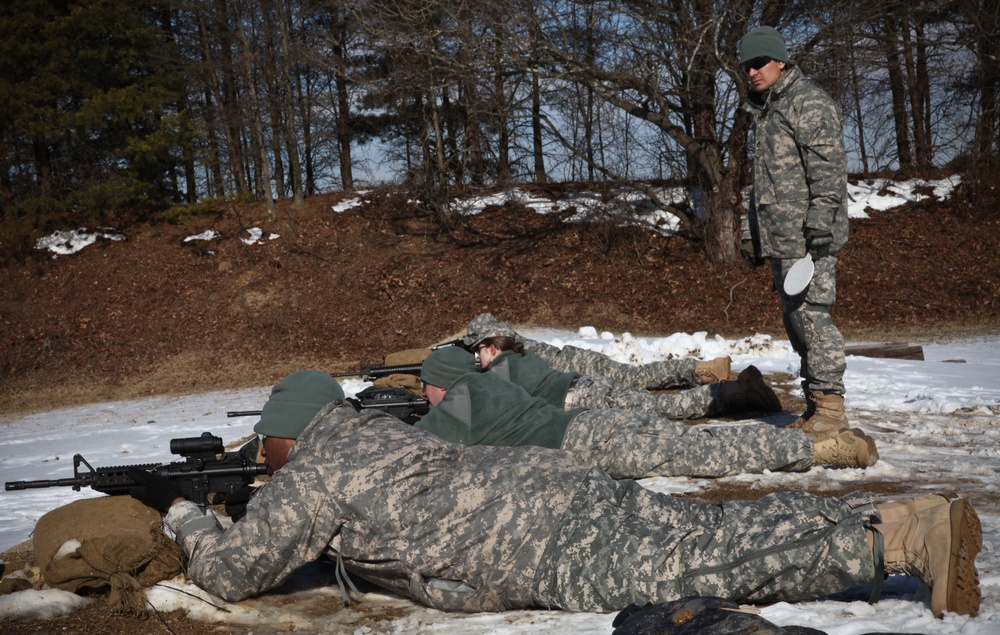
153 490
236 502
818 242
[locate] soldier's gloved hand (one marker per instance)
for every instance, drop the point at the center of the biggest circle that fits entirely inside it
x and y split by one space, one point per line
153 490
236 502
818 242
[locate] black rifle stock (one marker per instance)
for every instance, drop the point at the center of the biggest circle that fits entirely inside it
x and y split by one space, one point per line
396 401
207 469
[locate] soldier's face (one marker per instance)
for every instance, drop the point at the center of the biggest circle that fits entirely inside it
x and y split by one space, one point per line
487 353
434 394
274 450
763 75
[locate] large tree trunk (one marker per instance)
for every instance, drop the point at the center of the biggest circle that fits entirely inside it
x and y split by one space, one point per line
230 113
263 170
904 154
344 134
290 127
537 147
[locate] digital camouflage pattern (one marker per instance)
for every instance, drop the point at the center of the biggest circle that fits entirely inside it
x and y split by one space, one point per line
497 528
799 167
486 409
621 544
672 373
598 392
634 445
401 508
569 390
800 181
810 327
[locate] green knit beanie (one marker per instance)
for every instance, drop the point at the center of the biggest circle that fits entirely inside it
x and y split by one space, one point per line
444 365
294 402
764 41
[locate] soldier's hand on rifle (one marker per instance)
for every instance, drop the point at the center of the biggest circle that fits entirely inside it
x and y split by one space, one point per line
154 491
236 502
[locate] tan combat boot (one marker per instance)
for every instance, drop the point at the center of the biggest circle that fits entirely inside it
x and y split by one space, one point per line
714 370
749 392
898 511
824 417
937 543
850 448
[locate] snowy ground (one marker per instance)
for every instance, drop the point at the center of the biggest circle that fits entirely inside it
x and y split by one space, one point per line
937 424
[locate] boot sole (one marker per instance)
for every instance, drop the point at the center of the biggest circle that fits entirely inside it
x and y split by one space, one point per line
961 593
872 455
766 397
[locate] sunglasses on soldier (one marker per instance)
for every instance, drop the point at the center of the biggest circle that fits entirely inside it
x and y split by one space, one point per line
756 63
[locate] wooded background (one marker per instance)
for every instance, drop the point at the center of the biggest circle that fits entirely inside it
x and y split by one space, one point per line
161 106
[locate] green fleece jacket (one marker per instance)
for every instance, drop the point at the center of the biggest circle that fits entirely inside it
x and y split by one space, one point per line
486 409
532 373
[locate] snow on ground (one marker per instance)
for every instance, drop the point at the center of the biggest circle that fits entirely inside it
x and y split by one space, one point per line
625 203
935 421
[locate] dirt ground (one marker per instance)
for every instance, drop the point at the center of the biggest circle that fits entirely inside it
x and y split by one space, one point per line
154 314
157 315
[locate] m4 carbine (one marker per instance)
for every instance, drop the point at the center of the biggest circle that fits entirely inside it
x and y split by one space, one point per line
395 400
206 469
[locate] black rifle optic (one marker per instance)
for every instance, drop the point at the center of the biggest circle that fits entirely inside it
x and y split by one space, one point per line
396 401
206 469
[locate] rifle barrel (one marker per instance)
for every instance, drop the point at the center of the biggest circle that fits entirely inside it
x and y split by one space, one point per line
21 485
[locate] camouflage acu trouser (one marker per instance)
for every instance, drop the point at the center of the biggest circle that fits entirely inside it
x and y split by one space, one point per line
810 328
599 392
621 544
637 445
671 373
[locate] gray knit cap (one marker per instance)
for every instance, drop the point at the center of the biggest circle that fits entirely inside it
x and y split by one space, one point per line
444 365
764 41
294 402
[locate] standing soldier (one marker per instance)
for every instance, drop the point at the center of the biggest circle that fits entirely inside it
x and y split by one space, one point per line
798 206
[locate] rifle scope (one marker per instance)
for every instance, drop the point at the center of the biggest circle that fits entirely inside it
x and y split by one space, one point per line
207 443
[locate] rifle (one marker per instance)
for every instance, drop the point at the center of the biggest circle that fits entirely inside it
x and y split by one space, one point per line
207 469
375 371
396 401
371 372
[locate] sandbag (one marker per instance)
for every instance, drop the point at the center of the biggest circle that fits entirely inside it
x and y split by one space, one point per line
113 543
408 356
406 380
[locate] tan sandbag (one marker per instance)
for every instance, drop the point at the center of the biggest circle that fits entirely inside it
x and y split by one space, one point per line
406 380
408 356
114 542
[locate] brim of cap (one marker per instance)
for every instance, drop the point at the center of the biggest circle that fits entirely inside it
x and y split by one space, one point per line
292 421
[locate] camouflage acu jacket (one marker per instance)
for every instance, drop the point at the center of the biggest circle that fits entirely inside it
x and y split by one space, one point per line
453 527
799 167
